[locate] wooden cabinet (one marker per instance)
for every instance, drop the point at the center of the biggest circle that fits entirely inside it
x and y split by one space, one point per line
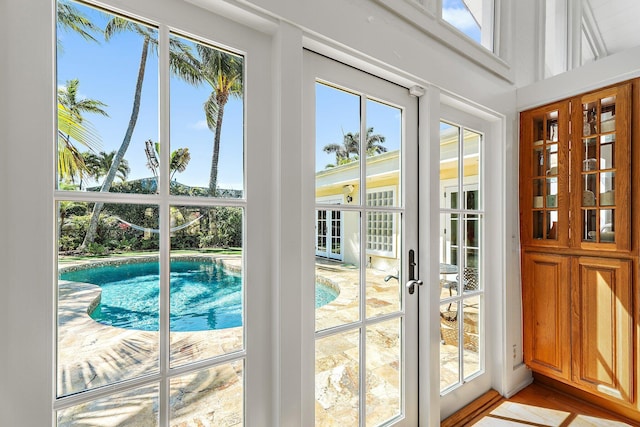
547 314
580 231
602 323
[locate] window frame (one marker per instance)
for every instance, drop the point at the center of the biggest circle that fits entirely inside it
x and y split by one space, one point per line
187 21
427 17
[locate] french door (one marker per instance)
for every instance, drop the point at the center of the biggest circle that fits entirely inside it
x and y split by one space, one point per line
329 234
466 276
365 339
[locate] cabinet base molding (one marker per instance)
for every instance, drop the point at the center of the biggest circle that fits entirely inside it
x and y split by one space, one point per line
619 410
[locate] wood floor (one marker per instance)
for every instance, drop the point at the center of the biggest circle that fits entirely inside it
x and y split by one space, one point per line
536 405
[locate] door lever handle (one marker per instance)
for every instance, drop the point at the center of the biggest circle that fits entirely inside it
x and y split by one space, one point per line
411 285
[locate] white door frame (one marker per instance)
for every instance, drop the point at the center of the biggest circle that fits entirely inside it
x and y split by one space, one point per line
437 106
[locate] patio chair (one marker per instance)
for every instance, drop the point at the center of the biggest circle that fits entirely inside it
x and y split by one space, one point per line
469 280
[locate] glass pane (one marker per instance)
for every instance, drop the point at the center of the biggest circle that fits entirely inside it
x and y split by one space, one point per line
552 126
589 189
589 162
337 379
448 246
214 396
539 136
607 188
589 119
108 300
552 223
338 274
449 345
383 142
337 145
538 162
384 368
589 225
607 225
472 239
538 224
207 128
607 151
472 151
551 162
473 19
552 193
538 193
608 114
206 281
107 107
384 285
449 141
471 336
137 407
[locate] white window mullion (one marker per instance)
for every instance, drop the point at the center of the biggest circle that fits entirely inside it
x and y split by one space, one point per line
165 237
363 259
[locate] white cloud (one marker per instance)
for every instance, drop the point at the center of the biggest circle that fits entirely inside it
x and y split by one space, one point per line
199 125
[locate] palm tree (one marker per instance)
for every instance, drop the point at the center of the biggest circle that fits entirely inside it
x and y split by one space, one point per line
223 72
374 142
68 96
351 145
180 61
178 162
69 18
98 165
70 162
350 142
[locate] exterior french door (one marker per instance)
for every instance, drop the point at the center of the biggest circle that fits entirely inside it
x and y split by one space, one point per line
329 234
364 344
463 287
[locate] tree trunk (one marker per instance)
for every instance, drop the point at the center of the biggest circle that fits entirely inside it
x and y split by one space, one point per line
213 177
106 185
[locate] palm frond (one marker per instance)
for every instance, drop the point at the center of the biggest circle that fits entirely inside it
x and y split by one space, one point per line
71 19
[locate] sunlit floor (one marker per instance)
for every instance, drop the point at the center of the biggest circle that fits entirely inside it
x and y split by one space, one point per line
538 405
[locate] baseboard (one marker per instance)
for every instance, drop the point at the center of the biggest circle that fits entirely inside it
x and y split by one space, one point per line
522 377
476 408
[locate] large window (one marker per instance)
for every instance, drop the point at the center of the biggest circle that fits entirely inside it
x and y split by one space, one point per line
474 18
151 214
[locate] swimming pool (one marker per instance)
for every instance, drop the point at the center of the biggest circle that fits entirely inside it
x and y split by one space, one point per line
204 295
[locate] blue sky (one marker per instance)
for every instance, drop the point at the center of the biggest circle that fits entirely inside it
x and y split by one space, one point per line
457 14
338 113
107 72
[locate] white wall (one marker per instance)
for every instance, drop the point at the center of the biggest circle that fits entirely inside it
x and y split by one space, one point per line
27 219
606 71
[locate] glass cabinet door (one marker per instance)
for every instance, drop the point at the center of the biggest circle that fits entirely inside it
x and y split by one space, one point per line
544 185
603 168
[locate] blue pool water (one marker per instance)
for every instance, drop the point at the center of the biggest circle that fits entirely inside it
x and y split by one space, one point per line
204 296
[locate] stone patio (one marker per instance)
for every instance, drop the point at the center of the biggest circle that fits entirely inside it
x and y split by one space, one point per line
91 355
